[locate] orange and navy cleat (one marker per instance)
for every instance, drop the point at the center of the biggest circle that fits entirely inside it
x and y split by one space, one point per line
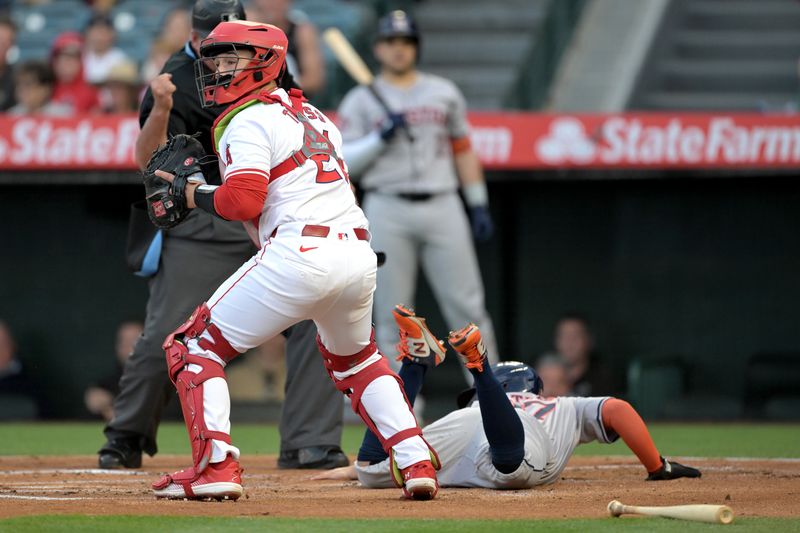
469 345
417 343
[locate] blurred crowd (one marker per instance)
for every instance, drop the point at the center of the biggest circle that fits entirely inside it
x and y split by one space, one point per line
86 72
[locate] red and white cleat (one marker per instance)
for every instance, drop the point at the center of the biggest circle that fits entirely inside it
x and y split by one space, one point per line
219 481
419 481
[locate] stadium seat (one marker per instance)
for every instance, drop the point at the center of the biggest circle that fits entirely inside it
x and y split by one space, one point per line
651 384
771 389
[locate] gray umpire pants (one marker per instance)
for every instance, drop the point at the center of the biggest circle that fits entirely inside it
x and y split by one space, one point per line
435 234
196 258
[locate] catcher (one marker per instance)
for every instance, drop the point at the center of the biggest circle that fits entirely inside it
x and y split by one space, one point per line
510 438
280 160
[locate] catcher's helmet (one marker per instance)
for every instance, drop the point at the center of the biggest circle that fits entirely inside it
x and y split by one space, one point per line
398 23
206 14
513 376
266 41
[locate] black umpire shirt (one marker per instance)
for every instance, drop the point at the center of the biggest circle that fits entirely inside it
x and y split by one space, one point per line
187 115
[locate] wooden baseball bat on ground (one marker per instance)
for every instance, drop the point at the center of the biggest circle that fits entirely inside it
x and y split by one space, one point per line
715 514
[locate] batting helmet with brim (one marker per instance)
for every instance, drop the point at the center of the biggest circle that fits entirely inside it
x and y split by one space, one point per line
398 23
513 376
206 14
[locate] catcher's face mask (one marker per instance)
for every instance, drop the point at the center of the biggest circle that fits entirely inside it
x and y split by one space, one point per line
246 56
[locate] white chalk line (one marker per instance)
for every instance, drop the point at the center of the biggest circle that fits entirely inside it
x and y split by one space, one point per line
40 498
91 471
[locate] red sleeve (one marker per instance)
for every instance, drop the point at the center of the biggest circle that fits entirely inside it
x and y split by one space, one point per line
242 195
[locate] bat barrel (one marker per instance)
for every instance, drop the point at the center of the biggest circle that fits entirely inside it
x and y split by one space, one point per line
718 514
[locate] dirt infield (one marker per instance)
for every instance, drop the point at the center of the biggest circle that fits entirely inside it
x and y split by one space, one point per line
53 485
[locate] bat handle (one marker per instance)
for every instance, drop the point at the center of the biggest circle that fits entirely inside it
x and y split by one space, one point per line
388 110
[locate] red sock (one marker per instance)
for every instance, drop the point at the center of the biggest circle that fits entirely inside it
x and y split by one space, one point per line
622 419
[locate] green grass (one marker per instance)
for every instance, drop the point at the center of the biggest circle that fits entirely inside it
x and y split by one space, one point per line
711 440
138 524
703 440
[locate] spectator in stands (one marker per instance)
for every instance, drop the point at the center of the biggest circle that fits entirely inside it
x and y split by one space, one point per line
99 397
553 371
159 53
33 88
101 6
71 88
304 56
8 34
100 54
586 373
176 29
119 92
18 397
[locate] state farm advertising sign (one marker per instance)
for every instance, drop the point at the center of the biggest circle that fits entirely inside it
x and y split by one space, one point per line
88 143
636 140
503 141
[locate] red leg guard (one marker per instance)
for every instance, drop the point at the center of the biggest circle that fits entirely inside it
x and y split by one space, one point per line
354 386
190 389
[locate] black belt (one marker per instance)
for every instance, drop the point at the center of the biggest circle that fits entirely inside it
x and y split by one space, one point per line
410 196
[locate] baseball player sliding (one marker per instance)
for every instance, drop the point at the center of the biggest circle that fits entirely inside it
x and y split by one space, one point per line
284 177
509 437
410 166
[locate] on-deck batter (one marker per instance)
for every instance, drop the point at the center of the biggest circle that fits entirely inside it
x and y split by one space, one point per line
282 173
411 186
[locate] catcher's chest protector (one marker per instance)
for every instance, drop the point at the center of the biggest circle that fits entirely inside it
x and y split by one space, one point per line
316 146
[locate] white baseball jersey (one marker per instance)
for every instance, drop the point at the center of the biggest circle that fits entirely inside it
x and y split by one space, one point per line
553 428
328 277
436 114
262 136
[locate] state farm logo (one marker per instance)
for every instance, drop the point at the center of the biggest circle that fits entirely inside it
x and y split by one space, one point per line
566 141
659 140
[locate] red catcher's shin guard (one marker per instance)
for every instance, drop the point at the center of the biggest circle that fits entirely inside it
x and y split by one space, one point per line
355 385
190 389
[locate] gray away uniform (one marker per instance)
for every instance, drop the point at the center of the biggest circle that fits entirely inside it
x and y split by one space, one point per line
553 428
412 202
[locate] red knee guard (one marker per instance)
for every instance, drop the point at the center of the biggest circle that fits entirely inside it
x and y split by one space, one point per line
198 324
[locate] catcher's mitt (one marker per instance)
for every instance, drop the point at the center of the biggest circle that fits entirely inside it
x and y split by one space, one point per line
181 156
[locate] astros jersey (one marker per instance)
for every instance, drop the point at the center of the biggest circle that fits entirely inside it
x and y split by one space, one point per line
435 112
568 420
553 428
260 137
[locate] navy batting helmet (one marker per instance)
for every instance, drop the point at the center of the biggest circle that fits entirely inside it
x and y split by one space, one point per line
206 14
517 377
398 23
513 376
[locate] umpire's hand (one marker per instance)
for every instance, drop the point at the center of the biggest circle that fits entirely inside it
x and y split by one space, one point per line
162 89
